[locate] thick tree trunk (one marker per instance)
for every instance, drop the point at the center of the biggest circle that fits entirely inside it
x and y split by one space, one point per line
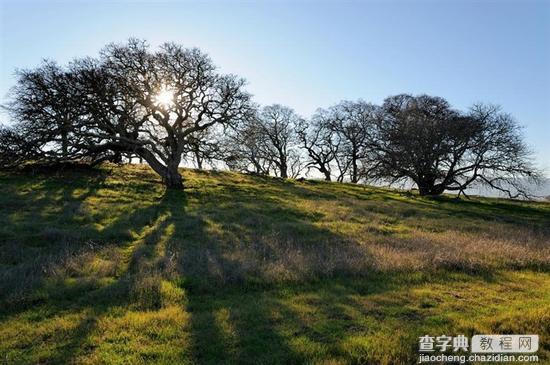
117 157
284 171
423 190
429 188
172 178
170 174
325 172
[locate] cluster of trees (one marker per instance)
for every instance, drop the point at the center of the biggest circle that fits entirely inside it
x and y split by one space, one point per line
171 105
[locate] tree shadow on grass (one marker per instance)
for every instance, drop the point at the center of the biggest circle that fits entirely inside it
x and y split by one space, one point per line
40 226
205 267
136 287
238 311
512 212
238 257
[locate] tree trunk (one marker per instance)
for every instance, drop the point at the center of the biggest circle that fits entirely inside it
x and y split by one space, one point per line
170 174
117 157
423 190
354 174
430 188
326 173
198 159
64 144
172 178
284 172
354 167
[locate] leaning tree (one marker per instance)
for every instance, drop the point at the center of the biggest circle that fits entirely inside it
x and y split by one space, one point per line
421 138
155 103
131 99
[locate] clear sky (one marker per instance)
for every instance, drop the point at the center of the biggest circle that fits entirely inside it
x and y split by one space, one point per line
309 54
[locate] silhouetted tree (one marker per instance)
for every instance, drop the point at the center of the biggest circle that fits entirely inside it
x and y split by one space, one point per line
15 147
128 101
204 147
242 148
318 139
276 124
43 106
352 122
423 139
132 100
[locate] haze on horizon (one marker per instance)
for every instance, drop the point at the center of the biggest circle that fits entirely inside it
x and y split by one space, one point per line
311 54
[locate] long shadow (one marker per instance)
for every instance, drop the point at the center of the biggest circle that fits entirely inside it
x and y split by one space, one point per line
205 271
512 211
126 290
212 262
90 299
40 219
224 243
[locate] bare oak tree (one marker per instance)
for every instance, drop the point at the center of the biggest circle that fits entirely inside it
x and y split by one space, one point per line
277 126
204 147
44 109
242 148
16 147
423 139
152 103
318 139
352 122
130 100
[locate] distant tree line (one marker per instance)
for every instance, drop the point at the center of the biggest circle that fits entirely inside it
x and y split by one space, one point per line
171 106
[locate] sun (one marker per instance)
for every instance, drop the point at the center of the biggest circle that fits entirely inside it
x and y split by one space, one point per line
165 97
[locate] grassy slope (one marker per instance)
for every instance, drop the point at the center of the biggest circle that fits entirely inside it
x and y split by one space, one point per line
106 267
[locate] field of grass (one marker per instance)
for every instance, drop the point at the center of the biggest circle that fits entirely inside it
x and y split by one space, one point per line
105 266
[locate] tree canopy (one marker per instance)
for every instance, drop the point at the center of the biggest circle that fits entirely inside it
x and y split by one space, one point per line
130 99
171 105
423 139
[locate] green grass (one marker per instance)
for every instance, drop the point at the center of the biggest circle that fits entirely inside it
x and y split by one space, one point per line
105 266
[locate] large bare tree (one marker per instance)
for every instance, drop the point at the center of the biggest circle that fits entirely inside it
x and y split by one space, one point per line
277 126
352 122
45 111
153 104
266 143
421 138
318 139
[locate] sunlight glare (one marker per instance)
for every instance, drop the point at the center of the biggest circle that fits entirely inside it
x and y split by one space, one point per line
165 97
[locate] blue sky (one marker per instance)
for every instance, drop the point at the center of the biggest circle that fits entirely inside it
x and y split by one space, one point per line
309 54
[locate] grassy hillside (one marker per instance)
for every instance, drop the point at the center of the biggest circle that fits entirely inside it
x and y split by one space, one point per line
106 267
